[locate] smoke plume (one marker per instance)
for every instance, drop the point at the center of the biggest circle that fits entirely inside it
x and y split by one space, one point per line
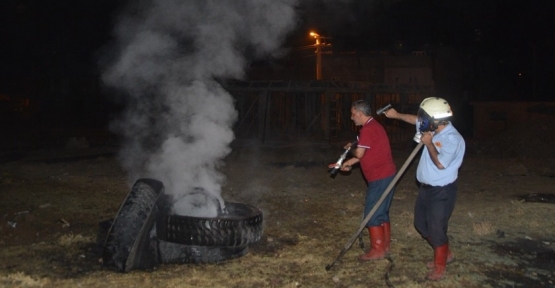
170 56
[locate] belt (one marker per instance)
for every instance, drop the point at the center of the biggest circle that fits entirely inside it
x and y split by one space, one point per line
424 185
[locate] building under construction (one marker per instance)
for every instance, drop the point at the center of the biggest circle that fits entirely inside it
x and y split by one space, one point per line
319 110
296 107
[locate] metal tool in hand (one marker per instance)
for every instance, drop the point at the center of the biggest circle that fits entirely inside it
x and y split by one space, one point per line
371 213
341 159
383 109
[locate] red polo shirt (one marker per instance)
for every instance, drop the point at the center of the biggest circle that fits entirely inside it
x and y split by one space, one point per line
377 162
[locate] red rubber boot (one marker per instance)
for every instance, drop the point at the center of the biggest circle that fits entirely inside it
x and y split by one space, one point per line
440 263
386 236
450 259
376 244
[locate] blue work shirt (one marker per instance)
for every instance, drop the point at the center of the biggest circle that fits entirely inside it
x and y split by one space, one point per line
450 147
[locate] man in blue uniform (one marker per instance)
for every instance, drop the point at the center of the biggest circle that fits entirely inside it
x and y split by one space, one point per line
437 173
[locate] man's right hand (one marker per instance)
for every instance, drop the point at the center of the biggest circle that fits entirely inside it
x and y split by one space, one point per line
346 168
391 113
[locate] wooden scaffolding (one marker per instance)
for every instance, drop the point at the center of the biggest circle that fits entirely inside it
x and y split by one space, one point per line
318 110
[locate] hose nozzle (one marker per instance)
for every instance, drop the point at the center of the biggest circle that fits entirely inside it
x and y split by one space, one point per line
383 109
337 166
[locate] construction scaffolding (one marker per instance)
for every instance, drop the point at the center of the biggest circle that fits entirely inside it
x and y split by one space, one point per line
318 110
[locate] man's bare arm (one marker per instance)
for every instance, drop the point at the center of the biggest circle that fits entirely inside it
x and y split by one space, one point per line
393 114
434 155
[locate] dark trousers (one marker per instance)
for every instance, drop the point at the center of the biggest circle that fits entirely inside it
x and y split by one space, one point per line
433 208
374 192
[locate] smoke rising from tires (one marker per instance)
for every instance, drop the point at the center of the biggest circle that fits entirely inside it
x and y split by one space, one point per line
168 60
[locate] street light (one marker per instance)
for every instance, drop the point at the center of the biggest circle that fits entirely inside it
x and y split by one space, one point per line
319 52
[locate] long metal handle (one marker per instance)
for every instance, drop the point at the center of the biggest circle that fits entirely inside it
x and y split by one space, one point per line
371 213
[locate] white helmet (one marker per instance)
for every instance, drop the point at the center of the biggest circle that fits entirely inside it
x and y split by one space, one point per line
432 109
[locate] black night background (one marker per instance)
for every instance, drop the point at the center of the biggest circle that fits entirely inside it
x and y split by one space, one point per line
46 45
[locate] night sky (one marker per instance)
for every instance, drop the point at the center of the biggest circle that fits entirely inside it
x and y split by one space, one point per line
52 36
66 37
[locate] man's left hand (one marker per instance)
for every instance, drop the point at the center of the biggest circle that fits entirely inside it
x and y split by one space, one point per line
427 137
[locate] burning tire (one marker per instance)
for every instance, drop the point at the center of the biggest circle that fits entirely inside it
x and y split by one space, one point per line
129 242
185 239
144 235
240 225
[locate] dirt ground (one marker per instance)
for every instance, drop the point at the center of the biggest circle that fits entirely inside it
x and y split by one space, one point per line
502 231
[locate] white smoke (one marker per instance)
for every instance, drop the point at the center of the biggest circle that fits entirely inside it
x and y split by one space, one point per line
177 125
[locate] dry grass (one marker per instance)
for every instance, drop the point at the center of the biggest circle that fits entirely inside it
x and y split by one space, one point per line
482 228
308 220
68 240
19 279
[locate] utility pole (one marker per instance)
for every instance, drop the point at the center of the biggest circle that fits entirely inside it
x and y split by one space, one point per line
319 53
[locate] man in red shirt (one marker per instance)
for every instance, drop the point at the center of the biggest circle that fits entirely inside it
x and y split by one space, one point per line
373 152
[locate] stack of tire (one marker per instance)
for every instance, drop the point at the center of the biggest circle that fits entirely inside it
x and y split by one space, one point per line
144 234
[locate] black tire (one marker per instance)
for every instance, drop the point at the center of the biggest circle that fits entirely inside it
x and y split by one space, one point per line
174 253
240 226
130 242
